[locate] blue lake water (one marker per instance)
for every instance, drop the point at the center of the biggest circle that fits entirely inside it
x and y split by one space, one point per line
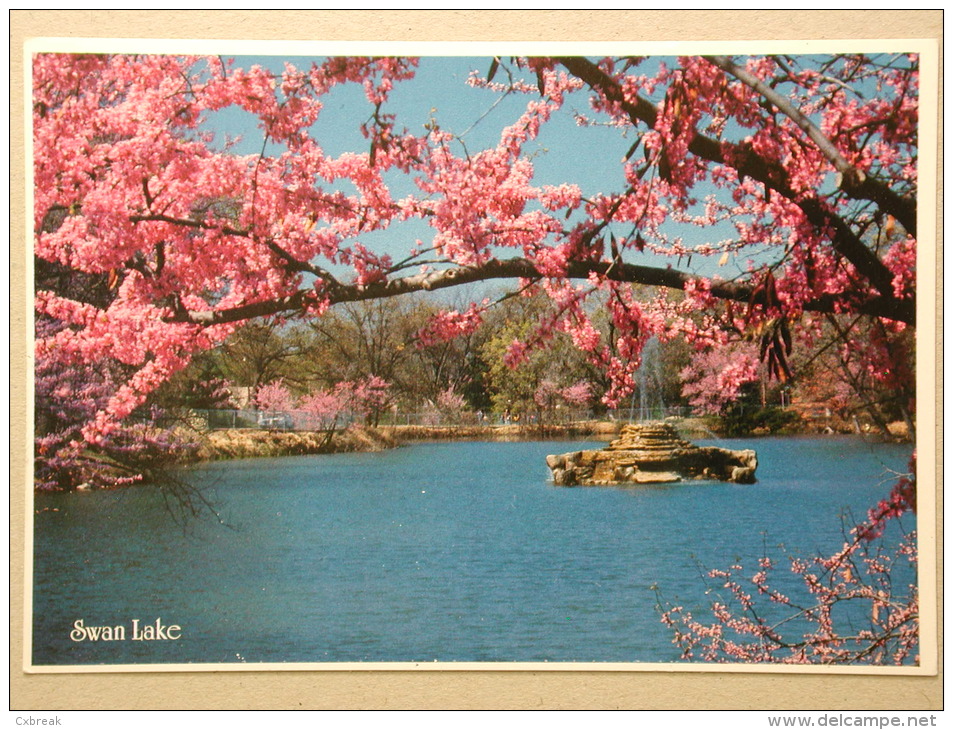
433 552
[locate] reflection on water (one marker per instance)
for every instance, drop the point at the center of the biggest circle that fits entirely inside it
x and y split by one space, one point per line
433 552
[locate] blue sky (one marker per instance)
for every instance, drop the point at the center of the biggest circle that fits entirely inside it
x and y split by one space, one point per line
440 89
563 152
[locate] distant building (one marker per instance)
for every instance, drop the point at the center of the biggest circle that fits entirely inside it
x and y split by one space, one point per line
241 396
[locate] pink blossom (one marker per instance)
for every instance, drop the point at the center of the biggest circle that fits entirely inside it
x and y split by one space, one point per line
274 396
450 324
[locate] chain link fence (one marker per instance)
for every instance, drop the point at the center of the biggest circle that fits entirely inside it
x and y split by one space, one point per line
224 419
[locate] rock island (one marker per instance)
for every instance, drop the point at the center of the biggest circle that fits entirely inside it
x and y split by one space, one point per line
651 453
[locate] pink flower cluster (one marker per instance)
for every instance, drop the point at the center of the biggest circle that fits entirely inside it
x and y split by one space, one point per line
450 324
716 376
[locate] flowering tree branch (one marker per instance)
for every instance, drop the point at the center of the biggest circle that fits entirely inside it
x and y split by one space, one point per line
521 268
748 163
854 607
851 180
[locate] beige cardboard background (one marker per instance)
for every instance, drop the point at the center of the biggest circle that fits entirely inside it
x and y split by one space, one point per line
426 689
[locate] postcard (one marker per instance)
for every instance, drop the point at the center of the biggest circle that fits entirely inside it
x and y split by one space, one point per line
591 361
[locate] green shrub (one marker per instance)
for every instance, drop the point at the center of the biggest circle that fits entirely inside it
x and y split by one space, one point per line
744 420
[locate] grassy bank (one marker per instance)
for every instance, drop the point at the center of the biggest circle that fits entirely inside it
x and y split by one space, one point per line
250 443
597 430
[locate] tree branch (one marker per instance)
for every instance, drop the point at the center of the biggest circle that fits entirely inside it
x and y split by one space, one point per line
851 180
291 263
746 163
520 268
161 218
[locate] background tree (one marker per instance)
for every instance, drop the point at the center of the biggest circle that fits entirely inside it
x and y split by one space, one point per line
264 351
513 328
202 385
382 338
872 389
452 364
274 396
361 339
